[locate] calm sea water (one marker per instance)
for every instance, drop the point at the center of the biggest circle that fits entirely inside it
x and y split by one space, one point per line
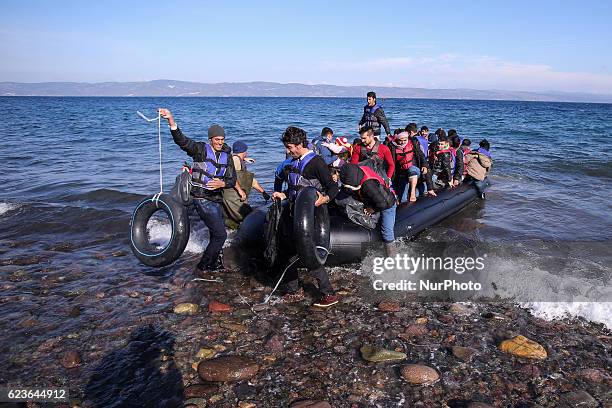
74 168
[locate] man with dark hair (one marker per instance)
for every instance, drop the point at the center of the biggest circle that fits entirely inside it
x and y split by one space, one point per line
212 171
305 169
374 116
319 143
369 151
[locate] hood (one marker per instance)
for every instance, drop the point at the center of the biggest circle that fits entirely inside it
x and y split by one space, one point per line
351 175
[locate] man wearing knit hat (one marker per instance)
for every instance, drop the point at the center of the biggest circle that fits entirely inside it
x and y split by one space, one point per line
212 171
235 205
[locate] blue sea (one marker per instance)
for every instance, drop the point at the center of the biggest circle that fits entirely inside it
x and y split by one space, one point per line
73 169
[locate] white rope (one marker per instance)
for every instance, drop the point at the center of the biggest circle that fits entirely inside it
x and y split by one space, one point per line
279 280
161 176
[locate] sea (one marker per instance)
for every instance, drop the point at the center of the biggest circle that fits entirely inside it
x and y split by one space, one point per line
74 168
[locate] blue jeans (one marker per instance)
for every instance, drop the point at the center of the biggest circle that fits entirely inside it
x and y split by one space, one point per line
212 215
387 224
400 181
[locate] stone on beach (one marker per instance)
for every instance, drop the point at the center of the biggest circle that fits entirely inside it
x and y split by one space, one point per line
420 374
186 308
218 307
227 368
377 355
521 346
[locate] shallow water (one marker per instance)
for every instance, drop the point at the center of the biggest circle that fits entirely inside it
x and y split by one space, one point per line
74 168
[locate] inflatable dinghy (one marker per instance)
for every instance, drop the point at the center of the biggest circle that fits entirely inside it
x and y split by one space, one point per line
332 239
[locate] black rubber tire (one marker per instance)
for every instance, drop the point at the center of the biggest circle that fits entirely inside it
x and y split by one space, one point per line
310 229
139 239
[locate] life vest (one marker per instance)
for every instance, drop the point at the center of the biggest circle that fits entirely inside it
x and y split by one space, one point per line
365 153
369 174
424 146
296 181
211 167
370 119
404 156
242 163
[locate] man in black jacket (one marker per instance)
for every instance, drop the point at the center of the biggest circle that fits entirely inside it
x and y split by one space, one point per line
212 171
374 116
369 188
306 168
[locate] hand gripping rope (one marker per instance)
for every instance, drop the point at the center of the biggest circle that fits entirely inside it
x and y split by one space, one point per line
161 177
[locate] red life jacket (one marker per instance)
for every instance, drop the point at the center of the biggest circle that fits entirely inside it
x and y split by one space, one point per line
369 174
404 156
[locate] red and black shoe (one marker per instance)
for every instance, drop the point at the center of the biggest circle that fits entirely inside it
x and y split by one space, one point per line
327 301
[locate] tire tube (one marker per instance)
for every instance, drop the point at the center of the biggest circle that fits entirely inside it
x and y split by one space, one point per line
139 238
310 229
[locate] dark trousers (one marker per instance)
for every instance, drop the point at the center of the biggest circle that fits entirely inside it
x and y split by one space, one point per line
212 215
286 251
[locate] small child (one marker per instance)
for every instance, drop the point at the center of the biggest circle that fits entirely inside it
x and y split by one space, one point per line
440 158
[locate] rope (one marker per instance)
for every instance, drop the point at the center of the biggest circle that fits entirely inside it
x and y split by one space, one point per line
159 142
279 280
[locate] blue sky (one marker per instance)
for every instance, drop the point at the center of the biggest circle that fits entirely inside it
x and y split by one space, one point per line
517 45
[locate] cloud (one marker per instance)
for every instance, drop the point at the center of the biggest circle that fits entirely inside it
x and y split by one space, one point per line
457 71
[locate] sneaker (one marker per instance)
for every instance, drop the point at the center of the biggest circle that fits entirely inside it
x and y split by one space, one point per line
327 301
294 297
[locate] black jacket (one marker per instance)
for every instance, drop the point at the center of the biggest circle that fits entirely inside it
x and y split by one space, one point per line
382 121
317 169
440 165
372 193
197 151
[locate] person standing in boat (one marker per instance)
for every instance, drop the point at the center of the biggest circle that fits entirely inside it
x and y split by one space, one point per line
305 168
374 116
212 171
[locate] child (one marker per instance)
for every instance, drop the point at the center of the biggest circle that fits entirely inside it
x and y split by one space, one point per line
440 158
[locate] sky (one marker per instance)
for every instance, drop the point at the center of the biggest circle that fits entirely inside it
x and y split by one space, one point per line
506 45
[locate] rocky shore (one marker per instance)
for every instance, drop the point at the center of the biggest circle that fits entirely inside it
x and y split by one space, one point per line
215 344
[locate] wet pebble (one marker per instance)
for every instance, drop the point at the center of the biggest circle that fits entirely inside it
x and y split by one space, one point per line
463 353
228 368
419 374
200 390
377 355
218 307
186 308
521 346
387 306
70 359
275 344
414 330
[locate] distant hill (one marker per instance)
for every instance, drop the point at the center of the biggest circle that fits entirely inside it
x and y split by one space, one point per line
273 89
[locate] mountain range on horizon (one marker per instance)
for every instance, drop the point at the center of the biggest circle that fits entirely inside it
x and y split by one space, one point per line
173 88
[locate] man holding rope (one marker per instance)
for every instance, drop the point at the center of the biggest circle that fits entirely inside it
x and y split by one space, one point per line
212 171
